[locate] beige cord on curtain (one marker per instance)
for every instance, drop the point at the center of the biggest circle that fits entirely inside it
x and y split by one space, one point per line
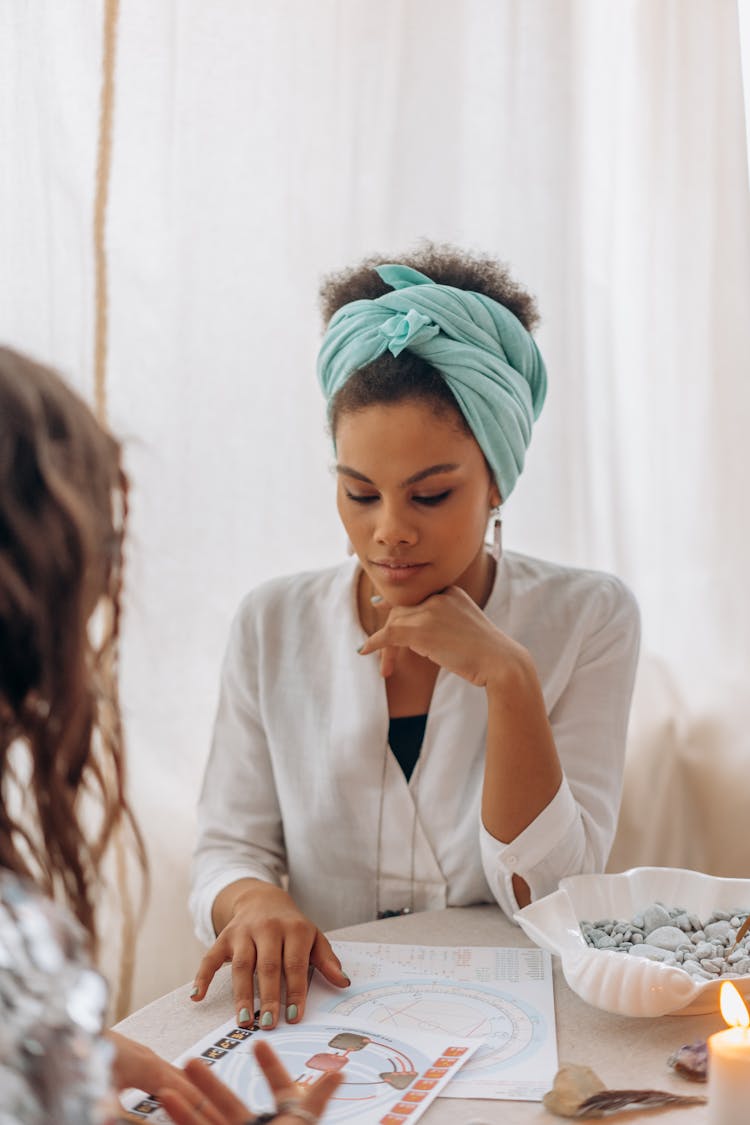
103 167
124 988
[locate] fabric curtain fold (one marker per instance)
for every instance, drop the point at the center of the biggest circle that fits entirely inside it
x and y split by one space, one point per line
599 148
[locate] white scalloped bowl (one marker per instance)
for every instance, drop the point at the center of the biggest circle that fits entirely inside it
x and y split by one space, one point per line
617 982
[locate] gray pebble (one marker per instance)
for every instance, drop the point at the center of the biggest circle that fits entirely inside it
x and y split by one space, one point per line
655 916
666 937
652 952
719 929
594 934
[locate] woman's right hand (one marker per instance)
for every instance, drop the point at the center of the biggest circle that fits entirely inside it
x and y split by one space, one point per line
264 935
215 1103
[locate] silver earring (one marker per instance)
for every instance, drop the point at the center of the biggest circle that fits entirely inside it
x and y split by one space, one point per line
497 536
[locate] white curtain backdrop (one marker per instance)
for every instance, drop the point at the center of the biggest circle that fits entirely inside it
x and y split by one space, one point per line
597 146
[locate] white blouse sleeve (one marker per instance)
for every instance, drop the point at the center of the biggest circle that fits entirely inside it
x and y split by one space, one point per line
589 719
239 821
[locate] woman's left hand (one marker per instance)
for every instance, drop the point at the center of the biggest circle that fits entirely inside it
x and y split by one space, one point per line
449 629
217 1105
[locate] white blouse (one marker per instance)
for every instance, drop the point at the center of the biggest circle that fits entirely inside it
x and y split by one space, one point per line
301 781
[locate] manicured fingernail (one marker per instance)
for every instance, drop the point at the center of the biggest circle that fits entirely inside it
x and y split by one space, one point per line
244 1016
376 599
266 1019
347 979
362 646
291 1012
194 990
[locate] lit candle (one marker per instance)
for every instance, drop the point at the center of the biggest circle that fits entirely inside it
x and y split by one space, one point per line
729 1063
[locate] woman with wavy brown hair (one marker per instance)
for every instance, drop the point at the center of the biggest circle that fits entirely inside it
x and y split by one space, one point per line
63 503
63 509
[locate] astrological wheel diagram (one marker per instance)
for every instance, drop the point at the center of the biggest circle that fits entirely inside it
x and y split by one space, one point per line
371 1068
508 1027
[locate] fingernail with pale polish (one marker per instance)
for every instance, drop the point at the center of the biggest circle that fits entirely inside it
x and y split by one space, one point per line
291 1012
244 1016
266 1019
361 646
194 990
376 599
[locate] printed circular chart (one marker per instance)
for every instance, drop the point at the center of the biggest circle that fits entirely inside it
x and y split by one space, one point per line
513 1030
372 1069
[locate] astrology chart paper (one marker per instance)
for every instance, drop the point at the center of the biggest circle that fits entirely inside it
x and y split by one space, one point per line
503 995
388 1077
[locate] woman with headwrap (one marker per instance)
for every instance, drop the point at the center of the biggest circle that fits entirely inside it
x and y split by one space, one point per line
432 723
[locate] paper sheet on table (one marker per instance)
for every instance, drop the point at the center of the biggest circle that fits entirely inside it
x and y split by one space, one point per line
389 1076
503 995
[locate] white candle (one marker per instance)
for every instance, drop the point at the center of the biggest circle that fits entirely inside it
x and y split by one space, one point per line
729 1063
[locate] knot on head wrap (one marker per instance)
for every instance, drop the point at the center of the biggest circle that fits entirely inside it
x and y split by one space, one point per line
405 330
488 359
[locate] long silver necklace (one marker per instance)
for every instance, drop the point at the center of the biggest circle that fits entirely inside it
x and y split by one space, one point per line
495 556
379 913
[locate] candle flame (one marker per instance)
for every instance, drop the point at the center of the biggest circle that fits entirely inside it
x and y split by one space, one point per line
733 1007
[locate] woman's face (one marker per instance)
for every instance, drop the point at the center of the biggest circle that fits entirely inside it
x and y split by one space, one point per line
414 495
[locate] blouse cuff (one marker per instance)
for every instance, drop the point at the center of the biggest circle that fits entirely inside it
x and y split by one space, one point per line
546 838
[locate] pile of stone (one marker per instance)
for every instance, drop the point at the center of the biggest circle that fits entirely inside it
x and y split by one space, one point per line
677 937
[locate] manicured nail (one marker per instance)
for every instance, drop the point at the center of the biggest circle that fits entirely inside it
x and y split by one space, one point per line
194 990
266 1019
376 599
346 978
244 1016
291 1012
362 646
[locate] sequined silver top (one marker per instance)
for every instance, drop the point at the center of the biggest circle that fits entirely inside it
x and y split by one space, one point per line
54 1064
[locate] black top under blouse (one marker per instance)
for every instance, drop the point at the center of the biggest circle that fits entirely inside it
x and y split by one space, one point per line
405 737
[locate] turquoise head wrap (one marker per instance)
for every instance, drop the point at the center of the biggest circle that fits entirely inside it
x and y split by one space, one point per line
488 359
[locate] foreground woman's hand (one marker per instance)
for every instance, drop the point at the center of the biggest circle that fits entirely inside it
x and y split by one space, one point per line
139 1066
264 935
214 1104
